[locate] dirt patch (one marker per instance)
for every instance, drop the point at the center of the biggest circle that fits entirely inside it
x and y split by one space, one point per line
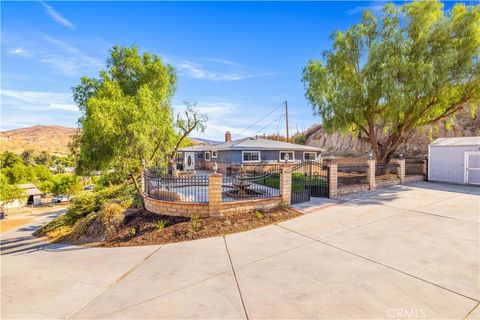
146 228
9 224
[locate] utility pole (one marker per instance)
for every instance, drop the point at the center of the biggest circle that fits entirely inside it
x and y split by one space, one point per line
286 118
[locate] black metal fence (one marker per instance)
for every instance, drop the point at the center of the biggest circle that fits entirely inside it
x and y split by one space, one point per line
174 189
352 174
309 179
250 186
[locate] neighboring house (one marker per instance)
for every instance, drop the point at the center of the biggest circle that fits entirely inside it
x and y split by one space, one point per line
455 160
254 154
33 196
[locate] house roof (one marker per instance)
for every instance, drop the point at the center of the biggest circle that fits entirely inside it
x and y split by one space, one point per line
253 144
461 141
30 189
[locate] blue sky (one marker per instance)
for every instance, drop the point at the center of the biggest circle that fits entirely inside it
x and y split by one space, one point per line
238 61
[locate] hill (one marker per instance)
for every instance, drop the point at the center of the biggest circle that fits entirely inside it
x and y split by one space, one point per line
51 138
54 139
417 145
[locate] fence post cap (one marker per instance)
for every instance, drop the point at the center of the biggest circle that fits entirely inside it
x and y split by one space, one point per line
216 174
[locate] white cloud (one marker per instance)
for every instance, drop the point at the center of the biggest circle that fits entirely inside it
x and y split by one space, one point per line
63 57
374 7
197 71
57 17
213 69
18 51
38 100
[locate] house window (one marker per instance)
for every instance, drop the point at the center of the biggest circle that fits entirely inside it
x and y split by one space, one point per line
207 156
291 155
251 156
179 156
214 154
309 156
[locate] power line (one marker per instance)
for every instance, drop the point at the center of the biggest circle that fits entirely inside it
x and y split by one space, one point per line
276 119
280 106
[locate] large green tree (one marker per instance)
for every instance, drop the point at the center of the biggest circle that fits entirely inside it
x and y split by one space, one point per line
127 116
412 66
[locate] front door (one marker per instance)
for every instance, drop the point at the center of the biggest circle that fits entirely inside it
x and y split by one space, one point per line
472 167
189 161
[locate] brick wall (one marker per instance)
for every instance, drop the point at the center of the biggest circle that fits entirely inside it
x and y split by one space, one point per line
250 205
178 209
352 188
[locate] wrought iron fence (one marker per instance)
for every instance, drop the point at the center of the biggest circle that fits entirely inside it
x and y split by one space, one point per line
251 186
166 188
352 174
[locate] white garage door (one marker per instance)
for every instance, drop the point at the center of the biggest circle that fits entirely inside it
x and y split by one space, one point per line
472 167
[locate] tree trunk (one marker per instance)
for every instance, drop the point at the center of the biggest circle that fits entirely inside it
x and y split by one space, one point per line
135 183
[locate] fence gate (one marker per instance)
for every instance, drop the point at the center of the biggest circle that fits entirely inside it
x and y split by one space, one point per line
309 179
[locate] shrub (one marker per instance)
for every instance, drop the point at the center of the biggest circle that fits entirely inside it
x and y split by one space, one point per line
300 138
133 231
160 224
111 216
259 215
87 203
81 226
195 223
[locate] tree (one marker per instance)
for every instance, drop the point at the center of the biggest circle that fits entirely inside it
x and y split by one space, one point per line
186 122
127 114
28 157
8 159
44 158
9 192
416 65
67 184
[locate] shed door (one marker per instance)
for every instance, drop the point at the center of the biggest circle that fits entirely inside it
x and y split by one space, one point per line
472 167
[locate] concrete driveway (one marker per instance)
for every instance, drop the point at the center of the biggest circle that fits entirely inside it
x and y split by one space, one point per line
402 252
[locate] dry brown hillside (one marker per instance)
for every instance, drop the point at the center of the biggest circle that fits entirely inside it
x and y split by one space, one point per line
54 139
338 144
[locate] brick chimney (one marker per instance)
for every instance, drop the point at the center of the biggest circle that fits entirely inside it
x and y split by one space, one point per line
228 136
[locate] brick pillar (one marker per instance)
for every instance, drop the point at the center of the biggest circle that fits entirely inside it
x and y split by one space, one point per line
332 180
371 174
401 170
214 194
286 184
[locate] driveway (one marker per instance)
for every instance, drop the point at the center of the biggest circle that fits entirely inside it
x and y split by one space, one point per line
401 252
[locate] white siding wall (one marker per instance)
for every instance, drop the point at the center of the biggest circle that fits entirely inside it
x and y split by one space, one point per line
446 163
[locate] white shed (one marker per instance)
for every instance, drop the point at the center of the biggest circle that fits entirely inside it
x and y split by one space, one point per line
455 160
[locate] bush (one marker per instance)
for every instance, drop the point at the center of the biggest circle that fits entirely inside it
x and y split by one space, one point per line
111 216
259 215
109 201
300 138
160 224
195 223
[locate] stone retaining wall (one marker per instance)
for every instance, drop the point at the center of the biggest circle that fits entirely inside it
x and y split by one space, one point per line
249 205
186 209
178 209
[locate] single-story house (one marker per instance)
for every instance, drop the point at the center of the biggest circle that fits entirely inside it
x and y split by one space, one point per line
33 196
254 154
455 160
